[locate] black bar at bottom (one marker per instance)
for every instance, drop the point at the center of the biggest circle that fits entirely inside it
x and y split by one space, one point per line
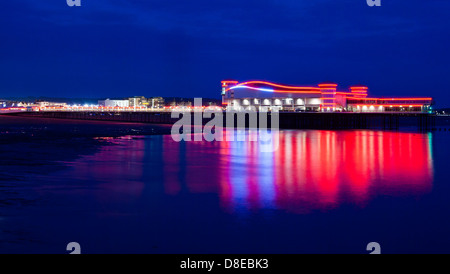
223 263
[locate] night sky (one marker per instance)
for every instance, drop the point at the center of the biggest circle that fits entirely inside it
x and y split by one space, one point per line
112 48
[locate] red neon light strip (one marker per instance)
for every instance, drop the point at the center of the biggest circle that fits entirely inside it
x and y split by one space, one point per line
396 99
358 87
277 85
343 93
406 99
404 105
366 98
297 91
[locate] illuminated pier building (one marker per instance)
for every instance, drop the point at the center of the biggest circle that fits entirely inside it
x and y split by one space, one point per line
324 98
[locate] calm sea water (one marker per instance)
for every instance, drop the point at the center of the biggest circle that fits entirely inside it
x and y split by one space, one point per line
319 192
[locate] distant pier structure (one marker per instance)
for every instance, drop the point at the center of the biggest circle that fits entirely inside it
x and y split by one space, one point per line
325 97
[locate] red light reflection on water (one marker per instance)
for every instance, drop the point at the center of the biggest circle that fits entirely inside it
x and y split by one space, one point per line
311 170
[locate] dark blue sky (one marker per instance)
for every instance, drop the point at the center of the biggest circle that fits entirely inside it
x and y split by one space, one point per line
112 48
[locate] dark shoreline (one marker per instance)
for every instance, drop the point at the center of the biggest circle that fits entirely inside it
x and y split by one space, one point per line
19 128
286 120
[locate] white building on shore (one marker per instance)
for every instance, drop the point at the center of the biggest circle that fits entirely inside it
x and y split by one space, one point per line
114 103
